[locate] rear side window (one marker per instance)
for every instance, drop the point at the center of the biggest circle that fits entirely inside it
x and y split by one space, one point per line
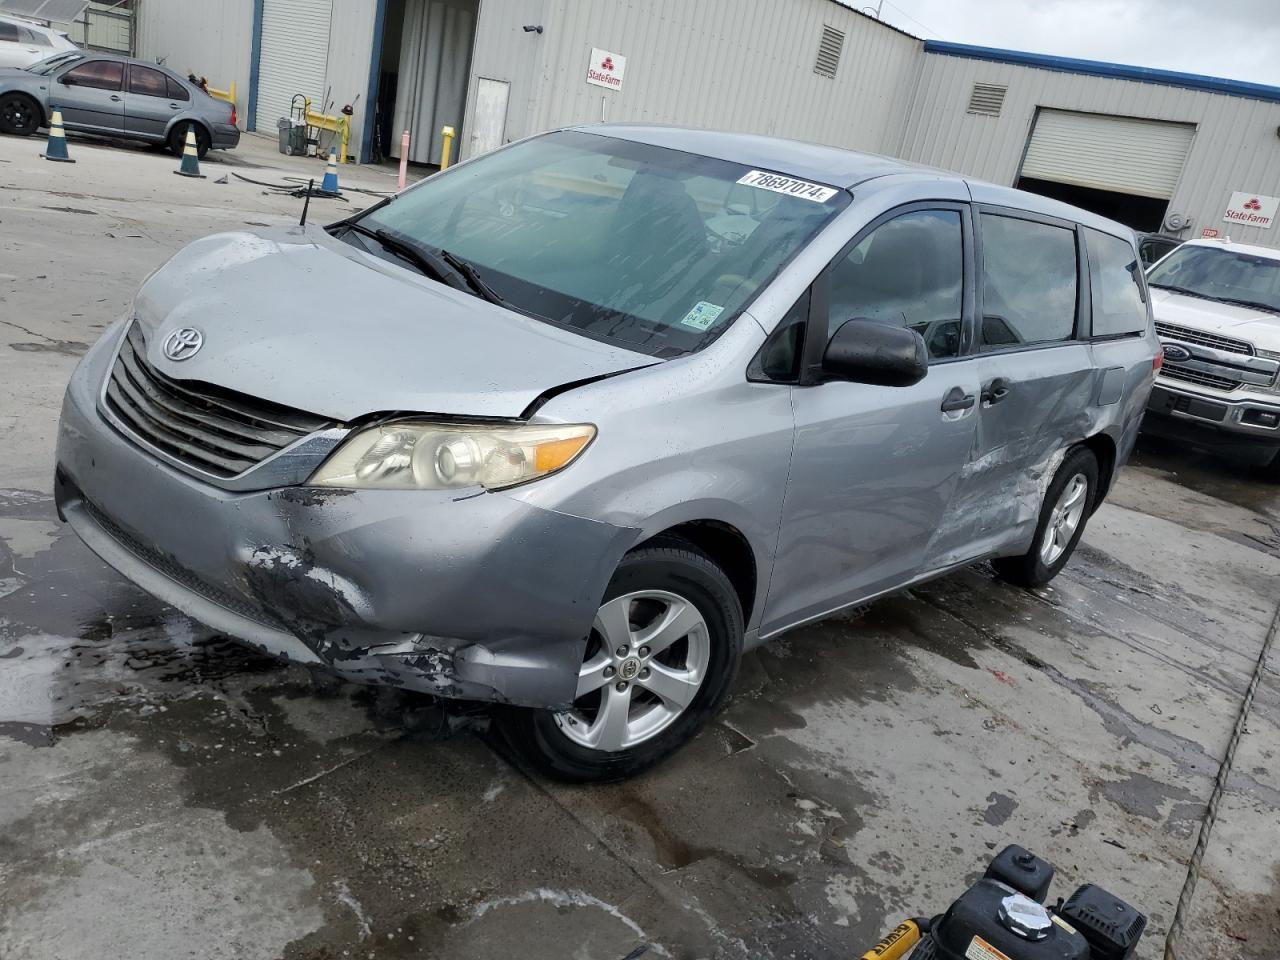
36 39
1119 307
147 82
8 32
908 271
1028 282
176 90
99 74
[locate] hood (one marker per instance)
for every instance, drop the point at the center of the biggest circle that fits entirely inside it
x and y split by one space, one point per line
1243 323
293 316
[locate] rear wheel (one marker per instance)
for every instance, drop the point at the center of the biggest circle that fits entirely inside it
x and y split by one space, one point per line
659 662
1062 519
178 139
19 115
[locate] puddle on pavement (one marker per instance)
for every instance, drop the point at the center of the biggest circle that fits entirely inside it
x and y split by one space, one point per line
1217 476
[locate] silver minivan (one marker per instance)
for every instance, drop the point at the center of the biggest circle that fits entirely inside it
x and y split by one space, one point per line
572 425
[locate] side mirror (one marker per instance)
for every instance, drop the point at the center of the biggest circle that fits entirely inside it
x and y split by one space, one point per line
864 351
67 79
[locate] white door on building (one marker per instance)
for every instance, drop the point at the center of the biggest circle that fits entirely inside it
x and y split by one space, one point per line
1141 158
293 58
489 125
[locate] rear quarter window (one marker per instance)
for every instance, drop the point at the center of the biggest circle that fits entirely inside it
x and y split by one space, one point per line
1115 279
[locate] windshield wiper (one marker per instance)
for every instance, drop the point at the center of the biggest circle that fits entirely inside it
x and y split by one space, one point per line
1183 290
474 280
1253 304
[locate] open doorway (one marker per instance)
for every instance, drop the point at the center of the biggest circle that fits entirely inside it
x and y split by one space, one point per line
422 77
1140 213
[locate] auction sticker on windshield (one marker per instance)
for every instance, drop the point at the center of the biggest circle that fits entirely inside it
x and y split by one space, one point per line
792 187
703 315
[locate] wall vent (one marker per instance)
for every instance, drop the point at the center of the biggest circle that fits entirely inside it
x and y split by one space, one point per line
829 52
987 99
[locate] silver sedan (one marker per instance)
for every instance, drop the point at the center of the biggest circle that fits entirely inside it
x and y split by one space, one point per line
114 96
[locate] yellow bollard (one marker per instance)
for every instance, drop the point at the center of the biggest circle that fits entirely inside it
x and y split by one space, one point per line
447 147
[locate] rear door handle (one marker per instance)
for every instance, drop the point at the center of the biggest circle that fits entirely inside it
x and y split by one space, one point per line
956 399
995 391
114 98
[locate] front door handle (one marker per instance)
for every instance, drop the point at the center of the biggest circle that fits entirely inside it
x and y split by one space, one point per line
114 98
995 391
956 399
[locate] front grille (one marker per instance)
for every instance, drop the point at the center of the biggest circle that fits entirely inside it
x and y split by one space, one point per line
1196 377
1188 335
174 571
206 428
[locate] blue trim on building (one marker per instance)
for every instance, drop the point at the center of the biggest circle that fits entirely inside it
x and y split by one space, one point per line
375 73
255 54
1116 71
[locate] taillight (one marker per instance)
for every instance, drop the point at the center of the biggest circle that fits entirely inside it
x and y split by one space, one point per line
1157 361
233 115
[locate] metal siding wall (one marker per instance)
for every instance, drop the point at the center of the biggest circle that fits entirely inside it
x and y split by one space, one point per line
741 65
210 39
351 44
1235 146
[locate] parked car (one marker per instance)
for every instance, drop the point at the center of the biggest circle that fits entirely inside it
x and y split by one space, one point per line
1153 246
118 97
23 43
1217 309
531 433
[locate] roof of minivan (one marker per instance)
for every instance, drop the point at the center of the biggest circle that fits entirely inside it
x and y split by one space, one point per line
837 167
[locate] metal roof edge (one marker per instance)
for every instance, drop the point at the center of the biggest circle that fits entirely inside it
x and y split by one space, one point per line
1101 68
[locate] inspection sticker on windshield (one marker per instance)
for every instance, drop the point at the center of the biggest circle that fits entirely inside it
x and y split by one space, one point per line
702 315
789 185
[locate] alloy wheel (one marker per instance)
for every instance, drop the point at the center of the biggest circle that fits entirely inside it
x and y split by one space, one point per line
16 116
646 659
1064 520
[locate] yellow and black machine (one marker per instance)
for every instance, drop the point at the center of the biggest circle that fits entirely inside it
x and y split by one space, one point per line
1004 917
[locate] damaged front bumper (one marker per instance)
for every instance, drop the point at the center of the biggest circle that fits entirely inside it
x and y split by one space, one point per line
477 596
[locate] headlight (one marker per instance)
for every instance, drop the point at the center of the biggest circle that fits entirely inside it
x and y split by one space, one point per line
417 455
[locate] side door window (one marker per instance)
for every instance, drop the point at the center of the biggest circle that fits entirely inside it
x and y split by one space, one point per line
8 32
909 271
1115 285
147 82
176 90
147 108
96 74
1029 286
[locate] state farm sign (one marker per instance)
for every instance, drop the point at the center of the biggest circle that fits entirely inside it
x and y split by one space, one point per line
1252 209
606 69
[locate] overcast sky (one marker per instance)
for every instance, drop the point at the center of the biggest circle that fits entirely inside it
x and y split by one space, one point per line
1239 39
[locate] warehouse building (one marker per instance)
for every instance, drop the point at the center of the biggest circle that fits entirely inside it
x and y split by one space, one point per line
1180 153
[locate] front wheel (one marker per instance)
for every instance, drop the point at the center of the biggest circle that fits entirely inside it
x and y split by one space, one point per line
658 664
19 115
1062 518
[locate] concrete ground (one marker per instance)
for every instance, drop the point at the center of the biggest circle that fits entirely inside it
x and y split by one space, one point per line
164 793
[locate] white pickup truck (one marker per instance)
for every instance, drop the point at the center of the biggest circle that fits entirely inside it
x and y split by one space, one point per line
1217 310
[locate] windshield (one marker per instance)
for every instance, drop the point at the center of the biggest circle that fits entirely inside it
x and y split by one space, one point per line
1214 273
653 249
46 67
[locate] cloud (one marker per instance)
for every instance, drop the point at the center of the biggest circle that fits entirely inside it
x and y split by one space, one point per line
1229 38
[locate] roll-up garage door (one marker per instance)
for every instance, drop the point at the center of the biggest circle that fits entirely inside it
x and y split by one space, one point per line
293 57
1125 155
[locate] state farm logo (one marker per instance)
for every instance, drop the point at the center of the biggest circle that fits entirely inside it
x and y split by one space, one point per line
1253 204
1252 209
605 69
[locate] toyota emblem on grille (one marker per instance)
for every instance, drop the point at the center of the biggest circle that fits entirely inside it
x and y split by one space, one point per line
1176 354
183 344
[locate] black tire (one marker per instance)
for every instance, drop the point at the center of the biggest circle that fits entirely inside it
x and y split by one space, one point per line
1030 569
669 565
20 115
178 140
1271 472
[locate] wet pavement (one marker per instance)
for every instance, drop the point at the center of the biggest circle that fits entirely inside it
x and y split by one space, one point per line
166 793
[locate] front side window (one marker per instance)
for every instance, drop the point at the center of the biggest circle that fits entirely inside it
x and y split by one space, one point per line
908 271
1115 281
99 74
653 249
147 82
1028 282
1217 273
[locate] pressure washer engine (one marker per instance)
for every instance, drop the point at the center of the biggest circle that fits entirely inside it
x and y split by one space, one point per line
1004 917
